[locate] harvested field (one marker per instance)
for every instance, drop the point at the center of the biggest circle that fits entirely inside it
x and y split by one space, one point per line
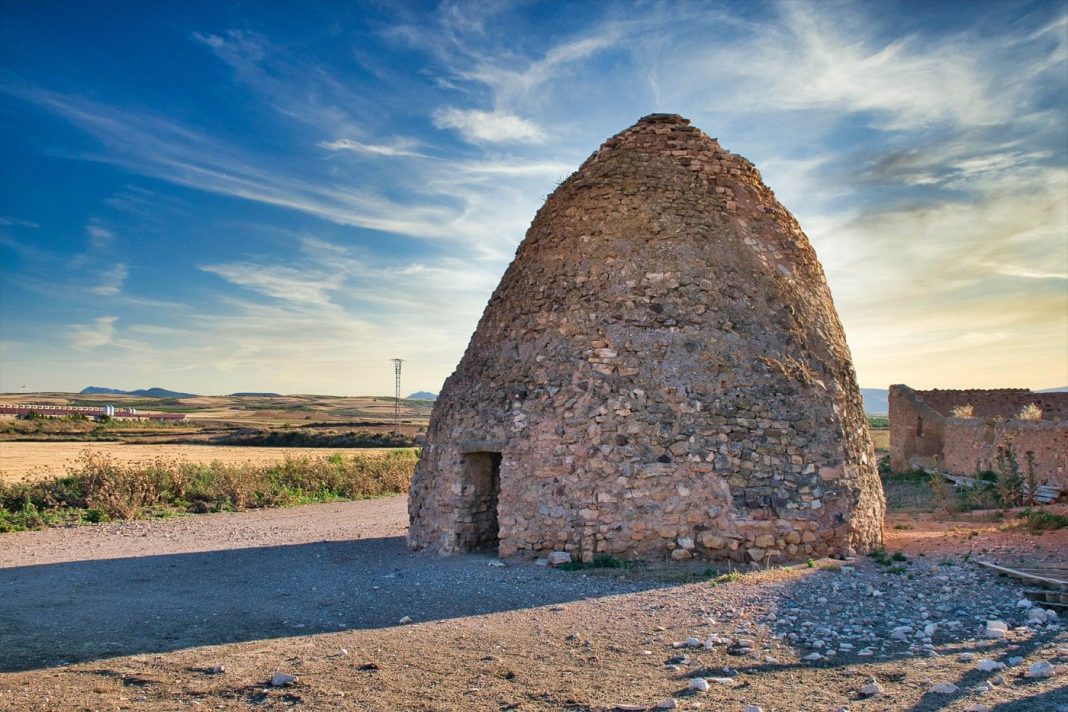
38 460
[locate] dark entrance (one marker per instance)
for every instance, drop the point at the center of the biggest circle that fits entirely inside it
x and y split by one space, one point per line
480 531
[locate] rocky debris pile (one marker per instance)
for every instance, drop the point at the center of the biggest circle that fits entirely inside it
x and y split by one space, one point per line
864 610
873 610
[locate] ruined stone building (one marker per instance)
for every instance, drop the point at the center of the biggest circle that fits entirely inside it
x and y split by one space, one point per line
660 373
924 433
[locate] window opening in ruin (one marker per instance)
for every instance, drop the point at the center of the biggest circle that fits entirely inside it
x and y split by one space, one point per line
480 530
919 427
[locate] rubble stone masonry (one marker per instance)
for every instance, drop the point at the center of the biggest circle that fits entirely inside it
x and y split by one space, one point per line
923 432
660 373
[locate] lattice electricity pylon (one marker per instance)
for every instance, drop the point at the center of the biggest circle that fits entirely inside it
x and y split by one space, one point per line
397 391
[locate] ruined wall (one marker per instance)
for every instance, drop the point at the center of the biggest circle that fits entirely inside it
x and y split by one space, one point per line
663 373
922 433
972 442
998 402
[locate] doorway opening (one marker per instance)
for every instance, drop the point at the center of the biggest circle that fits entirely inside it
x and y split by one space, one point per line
480 530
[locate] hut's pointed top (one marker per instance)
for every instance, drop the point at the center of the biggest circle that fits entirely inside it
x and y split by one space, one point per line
664 119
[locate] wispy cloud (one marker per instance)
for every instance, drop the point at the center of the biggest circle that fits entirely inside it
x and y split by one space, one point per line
100 332
99 236
16 222
491 126
111 281
399 148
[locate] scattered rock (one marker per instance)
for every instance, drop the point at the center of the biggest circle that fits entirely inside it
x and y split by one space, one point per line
871 689
405 620
558 558
989 665
995 630
944 688
698 684
497 564
281 679
1040 669
668 704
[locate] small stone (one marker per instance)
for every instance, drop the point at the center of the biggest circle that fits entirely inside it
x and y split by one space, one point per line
872 689
995 630
699 684
1015 660
281 679
944 688
966 657
813 657
988 665
1040 670
668 704
728 681
558 558
497 564
977 708
753 708
405 620
215 670
1024 603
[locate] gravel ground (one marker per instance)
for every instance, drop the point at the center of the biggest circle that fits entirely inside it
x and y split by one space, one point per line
200 612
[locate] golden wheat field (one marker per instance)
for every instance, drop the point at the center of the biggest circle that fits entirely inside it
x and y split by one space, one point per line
38 460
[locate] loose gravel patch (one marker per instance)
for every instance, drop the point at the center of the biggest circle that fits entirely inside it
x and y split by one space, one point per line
206 611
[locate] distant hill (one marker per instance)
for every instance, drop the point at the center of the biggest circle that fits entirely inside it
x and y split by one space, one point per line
875 400
423 395
251 394
154 392
1062 389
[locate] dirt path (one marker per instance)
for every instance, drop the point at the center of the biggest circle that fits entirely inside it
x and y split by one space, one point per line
38 460
137 616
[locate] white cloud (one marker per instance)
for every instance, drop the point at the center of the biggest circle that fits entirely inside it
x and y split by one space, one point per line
111 281
488 126
1028 272
16 222
100 332
399 148
288 284
99 236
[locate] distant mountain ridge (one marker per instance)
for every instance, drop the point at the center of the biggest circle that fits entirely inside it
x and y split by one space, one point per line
154 392
254 394
423 395
876 400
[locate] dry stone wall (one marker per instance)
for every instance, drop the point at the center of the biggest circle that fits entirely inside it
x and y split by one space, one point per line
923 432
662 374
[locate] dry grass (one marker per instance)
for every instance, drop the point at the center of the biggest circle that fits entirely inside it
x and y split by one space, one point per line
1031 411
44 460
962 411
98 487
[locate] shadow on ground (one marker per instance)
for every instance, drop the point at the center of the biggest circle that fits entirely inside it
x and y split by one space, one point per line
63 613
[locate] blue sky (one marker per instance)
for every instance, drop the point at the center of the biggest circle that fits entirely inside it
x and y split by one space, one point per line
232 196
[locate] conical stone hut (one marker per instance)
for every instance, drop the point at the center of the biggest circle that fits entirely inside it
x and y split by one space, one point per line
660 373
